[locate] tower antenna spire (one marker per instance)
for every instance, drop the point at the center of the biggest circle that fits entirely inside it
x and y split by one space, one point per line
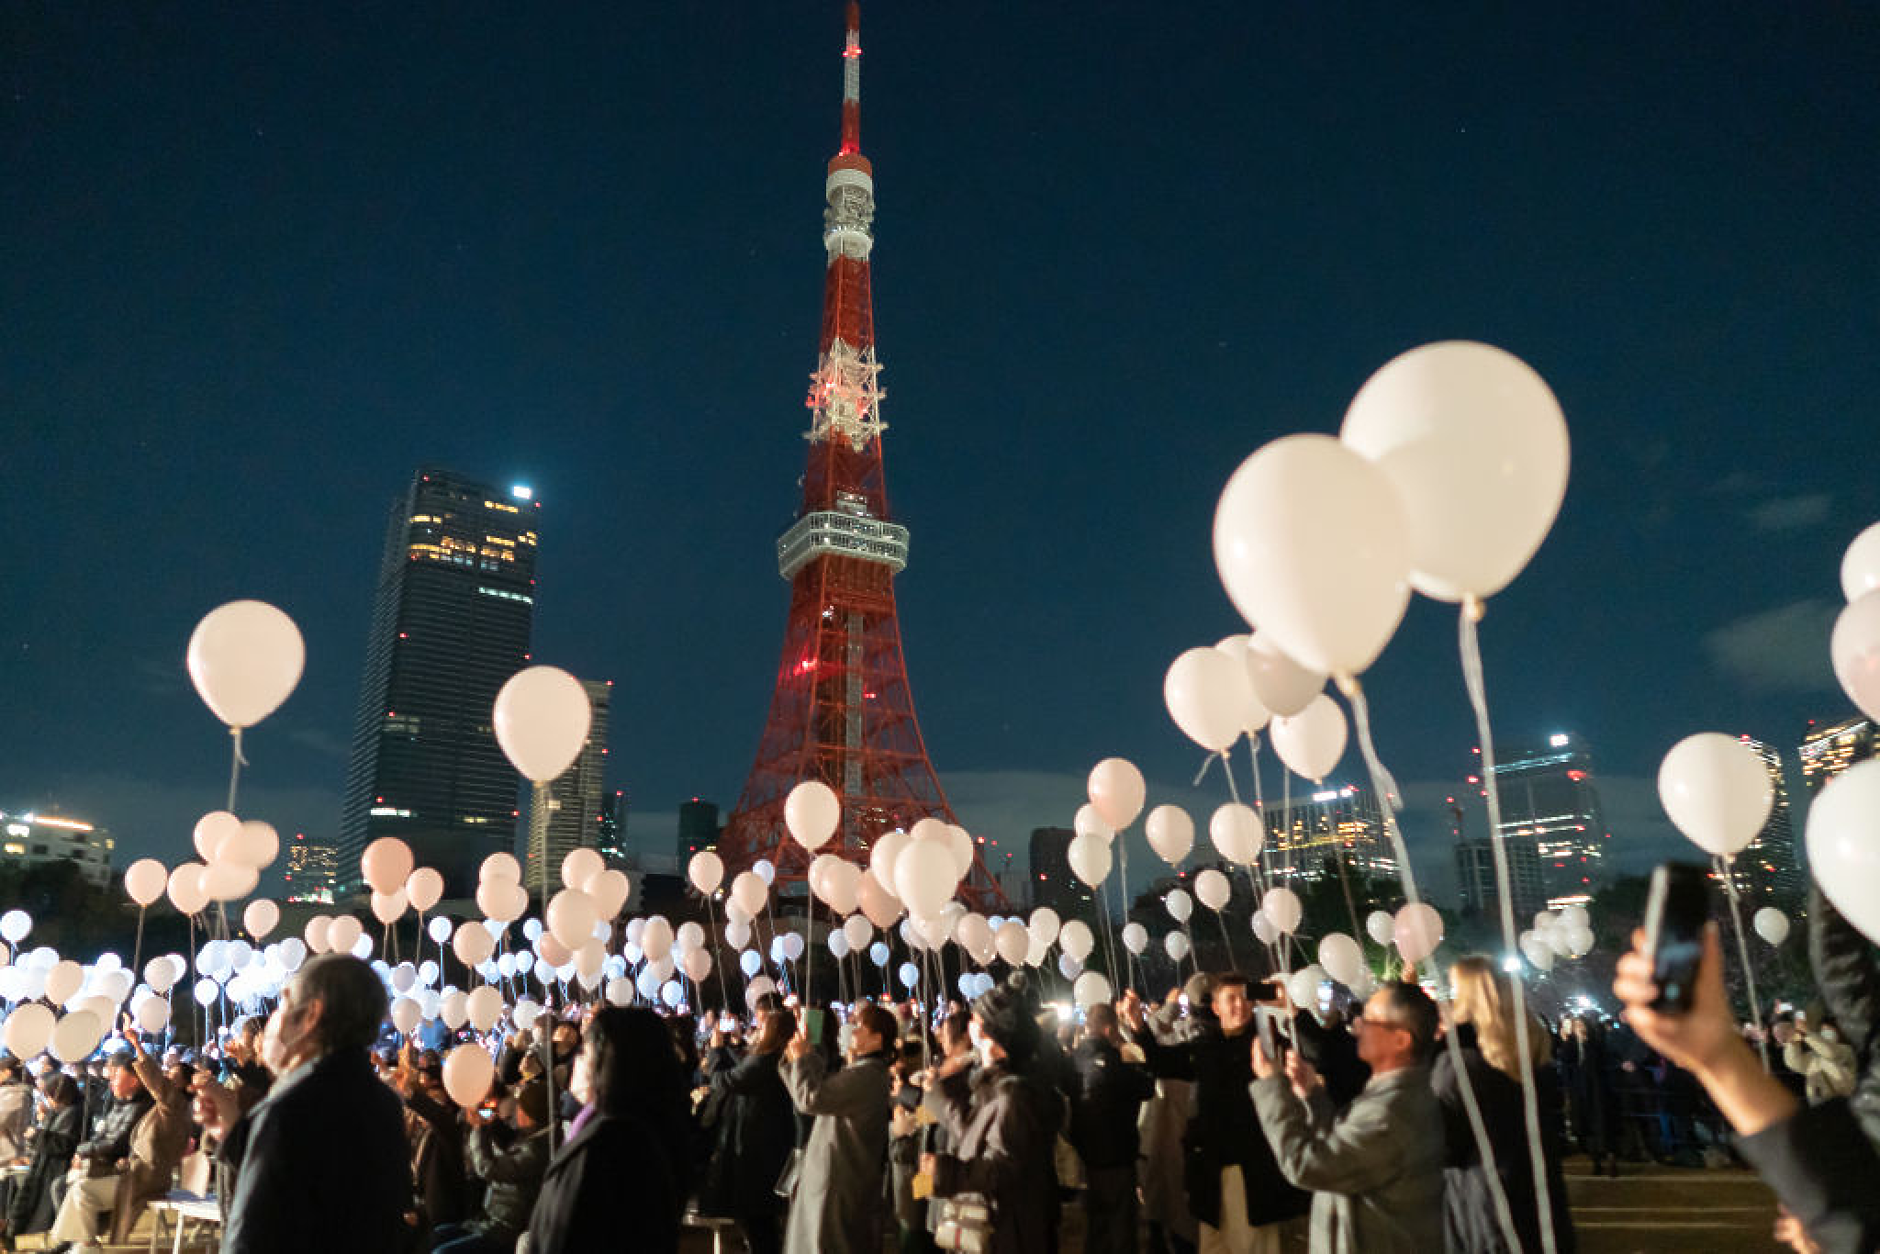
852 82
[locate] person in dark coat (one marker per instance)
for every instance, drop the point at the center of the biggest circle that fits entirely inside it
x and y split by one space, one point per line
30 1207
1224 1146
756 1132
1483 1021
435 1130
511 1174
1587 1077
1004 1118
1848 975
321 1163
1105 1105
622 1179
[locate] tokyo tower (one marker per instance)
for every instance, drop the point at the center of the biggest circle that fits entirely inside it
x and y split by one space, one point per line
842 711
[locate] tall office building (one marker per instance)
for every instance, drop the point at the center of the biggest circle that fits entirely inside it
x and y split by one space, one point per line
1549 799
1343 820
1052 883
1767 866
1479 891
575 797
1830 748
312 866
698 828
450 625
613 825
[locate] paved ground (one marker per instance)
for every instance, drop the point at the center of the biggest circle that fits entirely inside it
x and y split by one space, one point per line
1664 1210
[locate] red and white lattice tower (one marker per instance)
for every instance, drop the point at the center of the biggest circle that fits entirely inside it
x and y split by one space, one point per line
842 711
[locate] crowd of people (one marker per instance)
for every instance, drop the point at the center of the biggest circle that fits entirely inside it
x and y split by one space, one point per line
1220 1118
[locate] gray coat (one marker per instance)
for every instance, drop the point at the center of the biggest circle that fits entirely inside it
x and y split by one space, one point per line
836 1208
1375 1169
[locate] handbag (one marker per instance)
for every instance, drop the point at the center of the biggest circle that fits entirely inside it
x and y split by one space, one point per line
786 1179
965 1223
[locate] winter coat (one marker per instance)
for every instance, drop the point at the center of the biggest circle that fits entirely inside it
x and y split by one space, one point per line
1004 1128
836 1207
1849 978
1223 1130
436 1134
320 1164
513 1177
30 1209
1826 1067
1470 1221
612 1185
1375 1168
158 1142
16 1115
1105 1105
756 1131
1823 1169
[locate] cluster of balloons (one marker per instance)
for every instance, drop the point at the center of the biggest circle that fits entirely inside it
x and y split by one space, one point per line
1245 683
1563 933
1117 792
1447 474
1843 834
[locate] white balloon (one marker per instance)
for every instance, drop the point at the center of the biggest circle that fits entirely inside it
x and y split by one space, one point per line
438 929
244 658
542 716
858 930
737 935
1177 946
1717 791
27 1029
1091 989
923 876
1207 694
1253 715
1179 905
1341 957
1476 446
1090 858
1311 742
1418 930
1213 889
1135 938
1844 845
1013 942
766 871
1075 939
1860 565
1237 833
878 953
838 944
706 871
1378 925
1772 925
908 975
1044 925
881 859
1282 685
1303 986
1283 909
811 813
750 892
1087 821
1117 790
1171 833
1854 647
1263 929
1310 542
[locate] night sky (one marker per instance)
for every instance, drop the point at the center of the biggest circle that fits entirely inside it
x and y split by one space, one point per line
259 262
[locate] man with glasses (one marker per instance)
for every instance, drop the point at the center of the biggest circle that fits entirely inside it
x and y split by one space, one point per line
1375 1168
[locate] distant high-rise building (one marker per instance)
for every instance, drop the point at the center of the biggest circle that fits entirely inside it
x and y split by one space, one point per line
35 839
1829 749
1052 883
1478 891
1767 866
450 624
575 797
1549 799
312 867
1343 820
613 825
698 828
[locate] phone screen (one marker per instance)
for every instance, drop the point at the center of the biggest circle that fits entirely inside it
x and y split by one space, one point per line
813 1020
1676 910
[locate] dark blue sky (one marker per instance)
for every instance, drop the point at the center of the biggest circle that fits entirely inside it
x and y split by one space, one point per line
257 263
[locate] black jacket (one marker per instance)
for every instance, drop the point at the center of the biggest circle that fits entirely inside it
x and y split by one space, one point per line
1824 1170
1224 1130
1470 1223
1004 1127
513 1177
1108 1096
321 1164
1849 979
756 1132
52 1154
613 1185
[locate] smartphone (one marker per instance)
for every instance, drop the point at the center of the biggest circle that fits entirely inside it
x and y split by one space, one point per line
1272 1040
1676 909
813 1021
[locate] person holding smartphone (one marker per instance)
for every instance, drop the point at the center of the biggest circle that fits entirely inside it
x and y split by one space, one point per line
756 1130
1815 1158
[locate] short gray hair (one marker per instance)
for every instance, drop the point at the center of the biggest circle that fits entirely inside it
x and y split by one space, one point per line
351 996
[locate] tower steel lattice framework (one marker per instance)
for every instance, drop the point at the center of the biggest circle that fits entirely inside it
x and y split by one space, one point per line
842 711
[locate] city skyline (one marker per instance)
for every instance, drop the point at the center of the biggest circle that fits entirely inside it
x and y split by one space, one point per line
245 308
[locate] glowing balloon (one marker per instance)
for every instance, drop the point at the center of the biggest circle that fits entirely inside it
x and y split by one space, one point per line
145 880
211 830
1717 790
1283 909
260 917
1418 930
706 870
1281 684
1237 833
424 888
1117 791
1212 888
1311 742
469 1070
244 658
386 864
542 716
1171 833
1207 694
811 812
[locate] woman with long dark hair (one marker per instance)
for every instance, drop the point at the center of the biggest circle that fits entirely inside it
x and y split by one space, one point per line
625 1171
61 1125
756 1131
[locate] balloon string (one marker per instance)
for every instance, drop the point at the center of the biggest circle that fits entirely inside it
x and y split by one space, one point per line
1382 785
1473 679
1203 772
1742 948
538 841
1254 879
724 989
235 767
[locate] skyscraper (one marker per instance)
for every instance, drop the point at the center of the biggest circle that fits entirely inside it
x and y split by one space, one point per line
698 828
1052 882
1549 799
1767 866
574 816
1343 820
1478 889
1829 749
312 867
450 624
613 825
